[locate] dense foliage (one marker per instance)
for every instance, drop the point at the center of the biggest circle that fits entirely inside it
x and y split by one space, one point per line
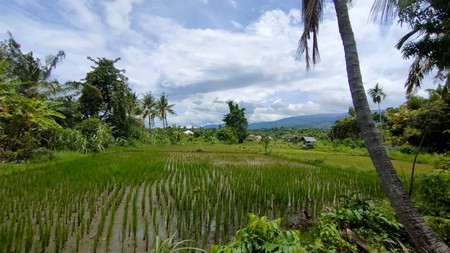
428 42
354 226
236 121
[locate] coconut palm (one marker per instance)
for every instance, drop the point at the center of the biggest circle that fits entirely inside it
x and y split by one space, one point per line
32 74
428 41
149 103
163 108
311 14
377 95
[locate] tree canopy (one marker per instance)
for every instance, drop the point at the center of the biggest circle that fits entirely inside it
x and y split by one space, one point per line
428 42
236 120
106 94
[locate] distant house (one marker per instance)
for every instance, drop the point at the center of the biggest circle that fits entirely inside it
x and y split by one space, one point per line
188 132
308 142
255 137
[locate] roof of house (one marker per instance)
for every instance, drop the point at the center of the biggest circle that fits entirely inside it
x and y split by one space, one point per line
309 139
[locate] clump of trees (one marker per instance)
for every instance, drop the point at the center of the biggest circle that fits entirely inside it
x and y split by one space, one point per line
26 112
235 130
38 114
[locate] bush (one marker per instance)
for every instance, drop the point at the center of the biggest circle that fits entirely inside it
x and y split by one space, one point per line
262 235
434 194
353 143
375 224
407 149
90 135
356 224
227 135
441 226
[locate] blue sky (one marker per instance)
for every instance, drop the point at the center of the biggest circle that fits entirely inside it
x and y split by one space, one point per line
203 53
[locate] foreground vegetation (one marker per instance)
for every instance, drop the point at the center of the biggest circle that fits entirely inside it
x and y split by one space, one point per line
121 199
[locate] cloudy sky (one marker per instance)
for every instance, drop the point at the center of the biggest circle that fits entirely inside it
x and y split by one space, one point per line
203 53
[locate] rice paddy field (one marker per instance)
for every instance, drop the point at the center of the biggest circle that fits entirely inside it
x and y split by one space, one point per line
121 199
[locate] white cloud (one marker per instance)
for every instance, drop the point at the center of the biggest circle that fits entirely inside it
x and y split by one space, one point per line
236 24
200 69
80 14
118 14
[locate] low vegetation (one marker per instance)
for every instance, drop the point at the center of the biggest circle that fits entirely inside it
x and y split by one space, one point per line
197 192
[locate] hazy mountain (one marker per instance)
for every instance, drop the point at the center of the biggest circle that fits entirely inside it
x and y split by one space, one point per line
306 121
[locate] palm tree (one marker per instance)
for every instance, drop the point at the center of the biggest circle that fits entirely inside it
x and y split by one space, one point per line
377 95
149 103
427 42
163 108
31 73
311 14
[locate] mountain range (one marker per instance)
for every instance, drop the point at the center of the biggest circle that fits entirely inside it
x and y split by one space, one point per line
326 120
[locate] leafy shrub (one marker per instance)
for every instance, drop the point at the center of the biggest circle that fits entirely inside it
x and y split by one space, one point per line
262 235
353 143
434 194
442 163
89 127
227 135
441 226
407 149
375 224
90 135
353 225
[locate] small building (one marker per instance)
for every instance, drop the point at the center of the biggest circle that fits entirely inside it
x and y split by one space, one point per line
308 142
254 137
188 132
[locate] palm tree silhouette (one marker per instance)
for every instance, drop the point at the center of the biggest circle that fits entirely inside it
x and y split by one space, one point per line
377 95
149 103
163 107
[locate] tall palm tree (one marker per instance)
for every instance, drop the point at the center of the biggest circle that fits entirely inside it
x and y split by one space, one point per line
33 75
163 108
311 14
149 103
377 95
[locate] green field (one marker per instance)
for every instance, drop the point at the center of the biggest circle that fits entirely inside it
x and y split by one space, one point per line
119 200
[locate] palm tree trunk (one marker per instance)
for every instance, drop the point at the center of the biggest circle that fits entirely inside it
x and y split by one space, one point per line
379 113
381 123
421 234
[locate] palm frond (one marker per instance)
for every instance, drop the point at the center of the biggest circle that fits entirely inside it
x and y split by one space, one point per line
385 9
406 37
50 62
311 15
421 66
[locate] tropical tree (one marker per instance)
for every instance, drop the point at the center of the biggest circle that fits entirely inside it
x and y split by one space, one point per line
236 120
149 104
163 108
34 77
377 95
106 94
311 14
427 43
22 119
345 128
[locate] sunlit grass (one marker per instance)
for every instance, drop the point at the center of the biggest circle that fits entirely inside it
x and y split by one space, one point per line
118 200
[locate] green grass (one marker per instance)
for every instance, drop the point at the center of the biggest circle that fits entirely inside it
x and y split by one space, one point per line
198 192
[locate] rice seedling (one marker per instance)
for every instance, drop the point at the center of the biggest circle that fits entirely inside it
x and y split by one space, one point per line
203 196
